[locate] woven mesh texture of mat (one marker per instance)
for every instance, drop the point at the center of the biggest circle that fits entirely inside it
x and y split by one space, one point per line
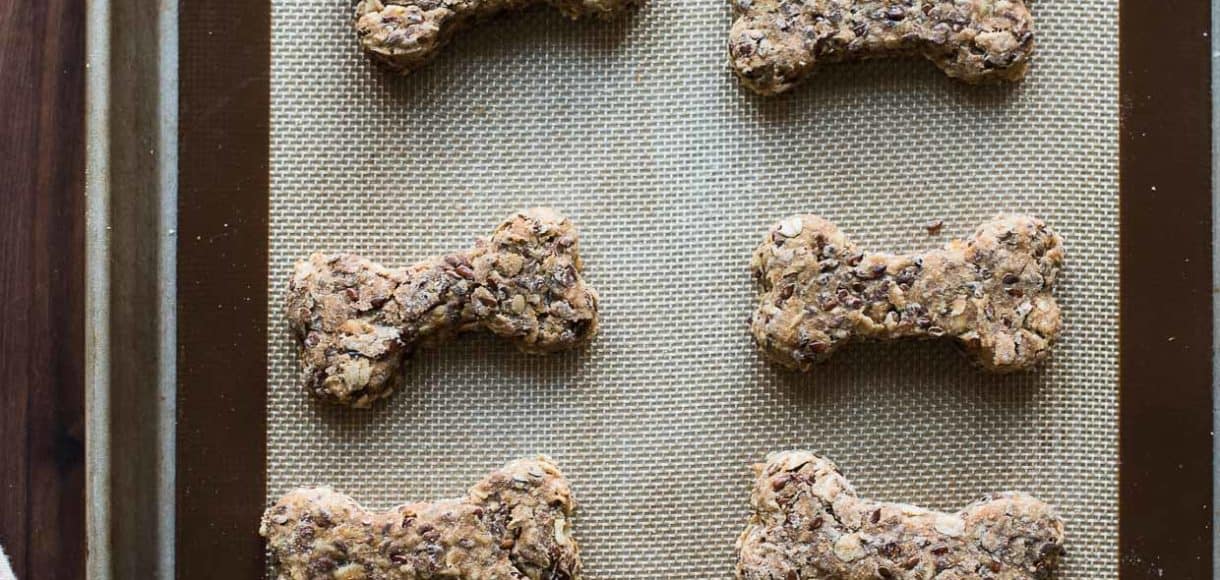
672 171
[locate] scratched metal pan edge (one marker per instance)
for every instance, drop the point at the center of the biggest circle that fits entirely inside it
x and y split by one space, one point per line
131 206
135 371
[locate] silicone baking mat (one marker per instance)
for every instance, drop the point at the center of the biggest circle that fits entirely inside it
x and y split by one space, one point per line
672 171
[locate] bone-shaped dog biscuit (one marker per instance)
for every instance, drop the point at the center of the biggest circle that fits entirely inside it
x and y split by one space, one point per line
774 44
356 320
405 34
809 523
991 292
515 524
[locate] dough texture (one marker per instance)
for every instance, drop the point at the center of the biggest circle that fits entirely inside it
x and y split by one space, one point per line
404 35
356 320
808 523
992 293
513 525
775 44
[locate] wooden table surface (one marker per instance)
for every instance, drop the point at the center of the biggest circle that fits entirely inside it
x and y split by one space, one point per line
42 248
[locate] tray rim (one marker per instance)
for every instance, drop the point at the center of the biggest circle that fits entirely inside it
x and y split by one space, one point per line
131 140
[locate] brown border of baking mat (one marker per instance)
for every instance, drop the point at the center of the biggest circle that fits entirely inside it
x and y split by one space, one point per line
223 186
1165 353
1165 383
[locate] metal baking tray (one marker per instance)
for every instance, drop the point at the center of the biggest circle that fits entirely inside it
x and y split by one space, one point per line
178 187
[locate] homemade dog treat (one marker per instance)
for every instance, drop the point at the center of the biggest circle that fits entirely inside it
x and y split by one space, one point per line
515 524
809 523
405 34
356 320
774 44
992 292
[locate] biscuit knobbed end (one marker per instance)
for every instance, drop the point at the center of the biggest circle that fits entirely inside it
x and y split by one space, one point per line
990 293
809 523
355 320
513 525
776 44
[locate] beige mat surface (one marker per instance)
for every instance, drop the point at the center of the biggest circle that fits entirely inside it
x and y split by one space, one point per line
672 171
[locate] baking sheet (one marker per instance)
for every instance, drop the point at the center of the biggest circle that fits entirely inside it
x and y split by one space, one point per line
672 171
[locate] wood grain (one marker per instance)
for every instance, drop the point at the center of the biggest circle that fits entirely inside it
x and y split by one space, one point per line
42 505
